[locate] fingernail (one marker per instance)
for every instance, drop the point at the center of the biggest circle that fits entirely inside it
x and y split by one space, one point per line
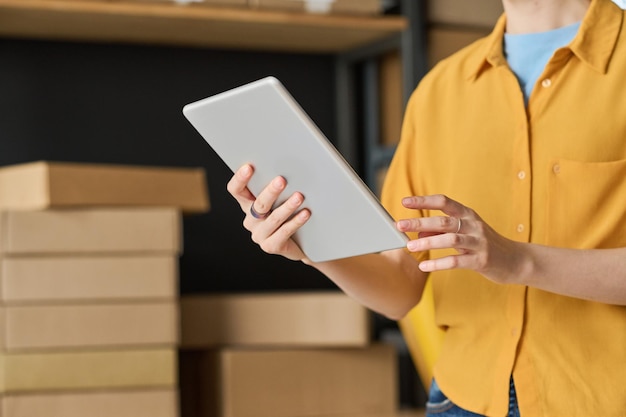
403 224
426 266
278 183
295 200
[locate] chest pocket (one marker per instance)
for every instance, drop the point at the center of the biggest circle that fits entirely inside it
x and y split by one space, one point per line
587 204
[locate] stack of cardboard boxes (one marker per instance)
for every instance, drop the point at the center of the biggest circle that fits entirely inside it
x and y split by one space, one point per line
283 355
91 323
89 307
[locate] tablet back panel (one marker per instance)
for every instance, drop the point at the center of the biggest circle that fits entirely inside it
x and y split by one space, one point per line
260 123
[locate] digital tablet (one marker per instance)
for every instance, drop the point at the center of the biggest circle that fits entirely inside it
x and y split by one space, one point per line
262 124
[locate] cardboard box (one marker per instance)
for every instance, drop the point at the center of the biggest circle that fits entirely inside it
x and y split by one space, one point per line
443 42
481 13
228 3
359 7
44 185
286 383
89 326
88 370
130 403
273 319
88 278
398 413
116 230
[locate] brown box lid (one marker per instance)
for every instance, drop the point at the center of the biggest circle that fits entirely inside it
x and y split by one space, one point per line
66 327
88 370
123 403
76 231
45 279
41 185
246 382
274 319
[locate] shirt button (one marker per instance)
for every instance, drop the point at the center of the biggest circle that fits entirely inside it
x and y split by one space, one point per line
556 168
520 228
546 83
521 175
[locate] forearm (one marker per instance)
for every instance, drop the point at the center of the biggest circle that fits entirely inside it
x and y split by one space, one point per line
593 274
390 283
597 275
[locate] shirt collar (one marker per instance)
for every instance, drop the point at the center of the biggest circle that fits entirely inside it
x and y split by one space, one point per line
594 43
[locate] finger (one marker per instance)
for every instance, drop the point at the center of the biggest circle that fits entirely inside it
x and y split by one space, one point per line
462 261
280 241
237 186
274 234
280 215
427 226
460 242
437 202
266 198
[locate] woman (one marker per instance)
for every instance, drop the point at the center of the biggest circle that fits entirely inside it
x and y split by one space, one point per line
527 127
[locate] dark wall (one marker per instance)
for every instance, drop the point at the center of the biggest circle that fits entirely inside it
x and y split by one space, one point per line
122 104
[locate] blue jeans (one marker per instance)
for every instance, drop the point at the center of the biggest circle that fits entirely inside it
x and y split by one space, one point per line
439 405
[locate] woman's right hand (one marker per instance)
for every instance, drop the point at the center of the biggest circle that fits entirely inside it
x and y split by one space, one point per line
271 228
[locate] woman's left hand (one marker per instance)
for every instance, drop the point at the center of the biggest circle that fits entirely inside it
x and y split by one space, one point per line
479 247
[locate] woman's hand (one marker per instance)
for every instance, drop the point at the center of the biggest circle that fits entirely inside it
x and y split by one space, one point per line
271 229
478 246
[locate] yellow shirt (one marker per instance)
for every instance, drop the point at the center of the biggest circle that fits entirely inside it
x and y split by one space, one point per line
553 173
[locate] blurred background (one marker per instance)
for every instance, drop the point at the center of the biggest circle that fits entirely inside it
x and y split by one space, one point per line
99 84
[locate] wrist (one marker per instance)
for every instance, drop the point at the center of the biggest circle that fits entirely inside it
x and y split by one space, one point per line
526 271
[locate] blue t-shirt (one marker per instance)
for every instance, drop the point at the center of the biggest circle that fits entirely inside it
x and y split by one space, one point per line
528 53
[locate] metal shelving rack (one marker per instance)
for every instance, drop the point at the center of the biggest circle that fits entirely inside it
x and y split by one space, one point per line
358 113
357 71
356 42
